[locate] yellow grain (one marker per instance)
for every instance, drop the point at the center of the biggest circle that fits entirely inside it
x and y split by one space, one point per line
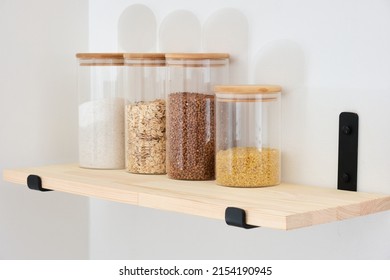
248 167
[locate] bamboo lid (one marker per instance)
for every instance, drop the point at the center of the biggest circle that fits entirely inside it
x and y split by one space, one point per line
196 56
157 56
99 55
247 89
100 59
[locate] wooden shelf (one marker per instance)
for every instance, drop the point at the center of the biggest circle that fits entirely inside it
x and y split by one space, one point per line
284 207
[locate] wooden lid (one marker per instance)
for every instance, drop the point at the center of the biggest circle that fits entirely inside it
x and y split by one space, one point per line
196 56
99 55
157 56
247 89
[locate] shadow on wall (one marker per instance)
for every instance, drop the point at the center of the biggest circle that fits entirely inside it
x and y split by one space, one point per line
282 62
131 38
181 31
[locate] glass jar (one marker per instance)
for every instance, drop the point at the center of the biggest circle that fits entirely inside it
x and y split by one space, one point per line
190 113
248 121
145 120
101 117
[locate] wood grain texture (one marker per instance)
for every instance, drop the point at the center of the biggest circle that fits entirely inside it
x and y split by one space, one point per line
285 206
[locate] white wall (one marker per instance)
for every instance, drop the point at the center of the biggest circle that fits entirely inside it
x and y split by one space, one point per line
38 125
329 56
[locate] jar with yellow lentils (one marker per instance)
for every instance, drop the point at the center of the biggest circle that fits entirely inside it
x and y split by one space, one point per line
248 126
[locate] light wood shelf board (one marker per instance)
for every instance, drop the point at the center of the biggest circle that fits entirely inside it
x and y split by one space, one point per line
286 206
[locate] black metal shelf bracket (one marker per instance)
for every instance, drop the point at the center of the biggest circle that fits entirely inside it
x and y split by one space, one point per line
348 151
236 217
34 182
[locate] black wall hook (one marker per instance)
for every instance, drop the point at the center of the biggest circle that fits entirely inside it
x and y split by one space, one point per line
236 217
34 182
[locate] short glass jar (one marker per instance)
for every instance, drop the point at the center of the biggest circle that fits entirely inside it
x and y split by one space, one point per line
248 140
145 122
191 78
101 118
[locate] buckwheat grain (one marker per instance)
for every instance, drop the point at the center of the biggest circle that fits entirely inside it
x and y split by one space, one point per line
191 136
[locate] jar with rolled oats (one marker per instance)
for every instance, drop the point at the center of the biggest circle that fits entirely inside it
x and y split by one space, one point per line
144 88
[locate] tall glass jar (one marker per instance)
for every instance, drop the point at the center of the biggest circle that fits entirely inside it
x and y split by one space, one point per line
145 122
190 113
101 118
248 135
